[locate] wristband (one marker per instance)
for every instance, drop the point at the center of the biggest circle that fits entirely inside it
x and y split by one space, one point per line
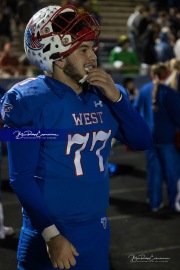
50 232
119 98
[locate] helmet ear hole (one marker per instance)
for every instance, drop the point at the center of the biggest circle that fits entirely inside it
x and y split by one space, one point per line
39 36
47 48
54 56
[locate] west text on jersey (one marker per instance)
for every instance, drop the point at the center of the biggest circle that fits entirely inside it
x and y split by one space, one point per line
88 118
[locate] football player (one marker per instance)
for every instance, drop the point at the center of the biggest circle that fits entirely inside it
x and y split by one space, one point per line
62 182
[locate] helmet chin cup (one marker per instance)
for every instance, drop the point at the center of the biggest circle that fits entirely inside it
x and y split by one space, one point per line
54 32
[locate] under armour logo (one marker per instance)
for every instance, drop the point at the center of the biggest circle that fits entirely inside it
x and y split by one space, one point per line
104 222
98 103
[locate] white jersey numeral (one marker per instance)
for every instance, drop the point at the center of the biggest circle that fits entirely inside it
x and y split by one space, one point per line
103 137
78 139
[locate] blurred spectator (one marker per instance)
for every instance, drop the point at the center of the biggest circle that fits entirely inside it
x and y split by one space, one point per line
146 43
8 60
129 84
160 107
174 20
148 31
4 230
174 79
153 10
144 21
174 82
177 46
5 24
24 11
123 57
133 23
164 49
163 19
92 6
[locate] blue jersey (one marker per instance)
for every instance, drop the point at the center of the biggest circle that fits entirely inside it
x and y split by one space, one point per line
66 179
166 119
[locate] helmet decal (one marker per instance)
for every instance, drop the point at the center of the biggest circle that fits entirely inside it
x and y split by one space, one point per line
31 40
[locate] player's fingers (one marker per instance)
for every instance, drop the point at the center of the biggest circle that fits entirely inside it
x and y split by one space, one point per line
95 77
55 265
72 261
74 251
102 80
66 264
97 73
61 265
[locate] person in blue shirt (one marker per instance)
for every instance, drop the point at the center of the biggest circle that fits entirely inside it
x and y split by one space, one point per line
63 184
163 48
160 107
4 230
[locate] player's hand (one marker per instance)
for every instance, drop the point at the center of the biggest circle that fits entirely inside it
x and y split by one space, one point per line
99 77
61 252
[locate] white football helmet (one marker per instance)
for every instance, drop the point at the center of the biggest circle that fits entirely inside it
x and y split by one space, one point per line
54 32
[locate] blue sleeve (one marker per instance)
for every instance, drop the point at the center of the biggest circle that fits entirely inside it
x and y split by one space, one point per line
173 106
14 111
23 160
138 103
133 130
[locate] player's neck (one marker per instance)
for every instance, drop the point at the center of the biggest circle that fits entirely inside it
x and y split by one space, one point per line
77 88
